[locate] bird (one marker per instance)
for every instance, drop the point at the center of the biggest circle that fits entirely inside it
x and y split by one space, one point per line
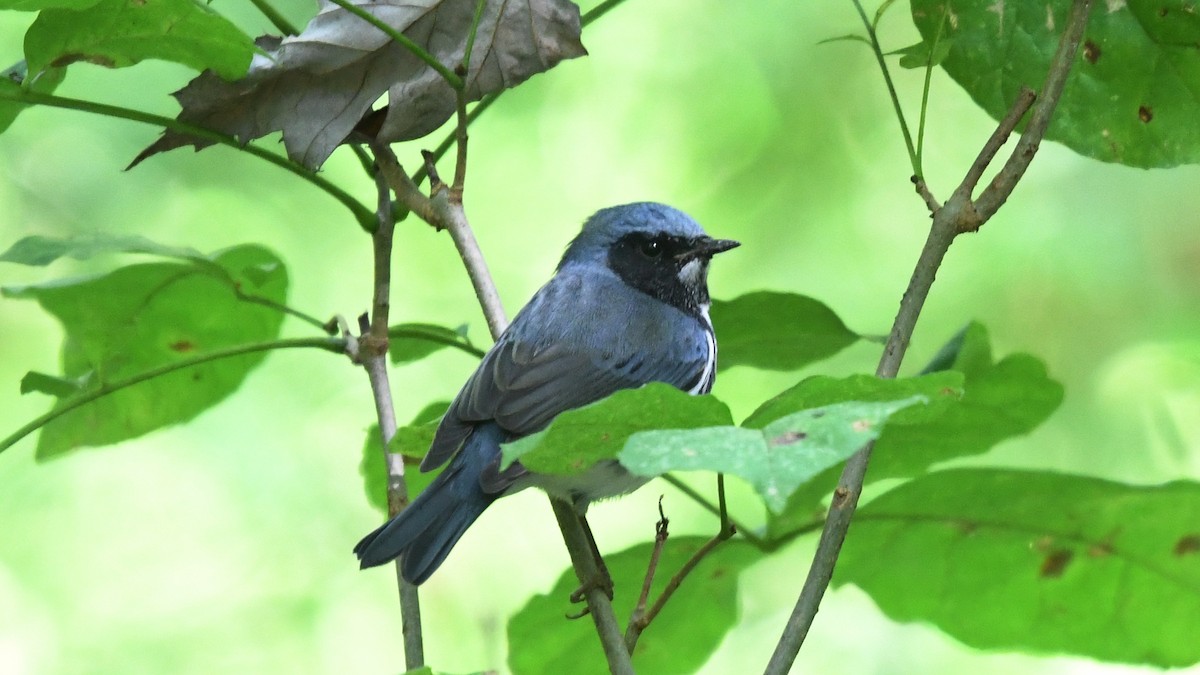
628 305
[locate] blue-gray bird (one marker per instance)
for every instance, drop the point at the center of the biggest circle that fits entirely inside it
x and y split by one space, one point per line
628 305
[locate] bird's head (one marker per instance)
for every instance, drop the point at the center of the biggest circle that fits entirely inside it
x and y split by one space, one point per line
655 249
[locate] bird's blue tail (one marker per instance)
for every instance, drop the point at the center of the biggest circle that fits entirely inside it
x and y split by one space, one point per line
423 534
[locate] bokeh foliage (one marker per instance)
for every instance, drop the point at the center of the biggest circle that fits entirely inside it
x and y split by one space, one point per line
1047 310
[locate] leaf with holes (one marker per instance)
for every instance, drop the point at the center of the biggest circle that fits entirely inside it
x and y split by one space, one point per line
1133 95
777 458
142 317
316 87
1037 561
980 403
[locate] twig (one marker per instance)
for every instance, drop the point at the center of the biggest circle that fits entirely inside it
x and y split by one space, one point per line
586 570
373 347
327 343
275 17
755 540
449 213
958 215
642 619
364 216
587 19
403 40
887 78
660 539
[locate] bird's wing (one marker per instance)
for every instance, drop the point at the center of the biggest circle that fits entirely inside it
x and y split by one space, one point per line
522 387
550 360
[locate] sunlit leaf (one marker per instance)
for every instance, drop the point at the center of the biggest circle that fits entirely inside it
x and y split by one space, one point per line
699 615
775 459
1133 95
1035 561
118 33
578 439
142 317
777 331
998 401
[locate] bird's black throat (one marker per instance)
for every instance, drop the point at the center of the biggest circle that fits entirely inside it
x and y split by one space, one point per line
651 263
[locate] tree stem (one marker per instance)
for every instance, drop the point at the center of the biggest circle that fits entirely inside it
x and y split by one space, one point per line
959 214
373 354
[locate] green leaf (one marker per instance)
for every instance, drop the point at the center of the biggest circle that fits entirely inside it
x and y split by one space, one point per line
777 331
1037 561
408 342
411 442
920 56
119 33
38 5
141 317
578 439
39 251
998 401
1133 96
60 387
13 81
775 459
699 615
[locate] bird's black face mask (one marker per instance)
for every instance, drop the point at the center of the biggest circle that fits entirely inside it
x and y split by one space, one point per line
669 268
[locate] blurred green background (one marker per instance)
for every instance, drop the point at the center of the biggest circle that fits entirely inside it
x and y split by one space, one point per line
224 545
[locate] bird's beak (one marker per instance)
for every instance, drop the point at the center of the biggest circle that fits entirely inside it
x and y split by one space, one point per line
707 247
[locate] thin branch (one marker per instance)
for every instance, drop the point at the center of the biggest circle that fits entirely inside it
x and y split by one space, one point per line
1039 119
755 540
954 217
278 20
466 59
373 348
487 101
660 539
335 345
887 78
1024 99
364 216
403 40
928 78
642 619
598 11
452 138
450 215
282 308
588 573
460 136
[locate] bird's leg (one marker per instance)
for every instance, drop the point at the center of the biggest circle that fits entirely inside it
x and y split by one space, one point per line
602 579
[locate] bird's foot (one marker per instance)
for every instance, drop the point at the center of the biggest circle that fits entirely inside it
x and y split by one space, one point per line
601 580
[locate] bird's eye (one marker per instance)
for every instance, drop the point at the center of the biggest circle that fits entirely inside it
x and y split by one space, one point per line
651 248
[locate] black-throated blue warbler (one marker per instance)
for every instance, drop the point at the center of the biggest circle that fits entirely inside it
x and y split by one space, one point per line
627 306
